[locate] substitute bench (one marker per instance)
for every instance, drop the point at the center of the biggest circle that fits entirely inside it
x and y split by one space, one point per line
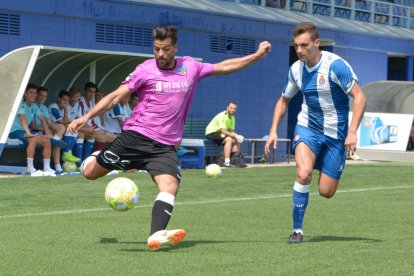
253 142
195 128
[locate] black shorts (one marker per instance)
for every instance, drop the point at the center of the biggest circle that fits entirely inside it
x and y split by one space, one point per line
215 137
131 150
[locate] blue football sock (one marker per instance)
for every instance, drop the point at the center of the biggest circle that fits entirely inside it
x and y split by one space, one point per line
300 201
87 148
78 150
70 141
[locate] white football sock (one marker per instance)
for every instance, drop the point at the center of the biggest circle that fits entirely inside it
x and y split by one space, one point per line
46 165
30 167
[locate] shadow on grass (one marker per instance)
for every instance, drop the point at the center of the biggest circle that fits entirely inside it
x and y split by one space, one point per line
184 244
337 238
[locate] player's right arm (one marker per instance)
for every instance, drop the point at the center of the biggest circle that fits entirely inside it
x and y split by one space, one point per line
290 91
103 105
279 112
65 121
229 133
25 125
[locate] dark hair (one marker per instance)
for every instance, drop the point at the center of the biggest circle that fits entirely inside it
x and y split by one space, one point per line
306 27
31 86
90 84
231 102
42 88
98 90
162 32
63 93
74 90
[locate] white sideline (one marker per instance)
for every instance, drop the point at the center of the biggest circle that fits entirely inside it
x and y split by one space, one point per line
78 211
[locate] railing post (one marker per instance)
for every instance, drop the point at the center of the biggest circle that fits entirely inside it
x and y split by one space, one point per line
372 12
287 5
352 10
309 6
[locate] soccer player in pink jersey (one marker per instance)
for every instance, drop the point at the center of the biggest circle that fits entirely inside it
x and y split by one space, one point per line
166 87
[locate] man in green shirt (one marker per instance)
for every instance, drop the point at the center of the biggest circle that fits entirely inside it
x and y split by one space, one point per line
221 131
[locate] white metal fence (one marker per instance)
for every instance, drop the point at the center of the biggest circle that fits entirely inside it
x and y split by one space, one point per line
398 13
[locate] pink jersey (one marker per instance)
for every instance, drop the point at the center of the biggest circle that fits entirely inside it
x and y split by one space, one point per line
165 97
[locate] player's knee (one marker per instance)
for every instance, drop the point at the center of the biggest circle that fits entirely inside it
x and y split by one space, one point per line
89 175
327 193
304 176
228 140
60 128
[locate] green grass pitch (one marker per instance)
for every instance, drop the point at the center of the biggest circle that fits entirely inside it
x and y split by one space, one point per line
237 224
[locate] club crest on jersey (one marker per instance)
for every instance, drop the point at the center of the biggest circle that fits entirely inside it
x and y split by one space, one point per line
182 70
321 80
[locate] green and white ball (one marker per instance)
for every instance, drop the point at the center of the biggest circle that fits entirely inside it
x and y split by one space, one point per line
69 166
213 170
121 194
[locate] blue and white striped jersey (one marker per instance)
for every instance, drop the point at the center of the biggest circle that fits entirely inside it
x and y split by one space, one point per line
74 111
56 114
325 88
111 116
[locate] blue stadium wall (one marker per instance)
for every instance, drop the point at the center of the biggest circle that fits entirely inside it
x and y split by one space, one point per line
73 24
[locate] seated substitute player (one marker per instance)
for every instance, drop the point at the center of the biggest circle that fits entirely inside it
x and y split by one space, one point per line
26 113
221 130
107 124
87 102
57 129
115 117
83 141
132 103
60 116
166 86
321 137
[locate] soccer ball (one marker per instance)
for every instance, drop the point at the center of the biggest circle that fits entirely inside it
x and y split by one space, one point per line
69 166
213 170
121 194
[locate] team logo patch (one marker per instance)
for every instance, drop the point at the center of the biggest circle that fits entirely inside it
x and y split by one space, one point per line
182 70
296 137
321 80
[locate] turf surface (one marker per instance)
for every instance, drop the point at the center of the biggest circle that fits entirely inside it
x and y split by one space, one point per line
237 225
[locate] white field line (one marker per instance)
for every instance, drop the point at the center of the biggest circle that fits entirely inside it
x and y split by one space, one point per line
78 211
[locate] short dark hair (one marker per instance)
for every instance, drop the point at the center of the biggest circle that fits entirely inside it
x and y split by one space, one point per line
231 102
306 27
90 84
63 93
42 88
31 86
162 32
74 90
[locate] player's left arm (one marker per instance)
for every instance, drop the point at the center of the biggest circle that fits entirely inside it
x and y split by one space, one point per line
229 66
358 110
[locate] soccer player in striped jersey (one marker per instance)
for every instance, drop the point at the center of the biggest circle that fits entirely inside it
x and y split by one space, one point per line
322 137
